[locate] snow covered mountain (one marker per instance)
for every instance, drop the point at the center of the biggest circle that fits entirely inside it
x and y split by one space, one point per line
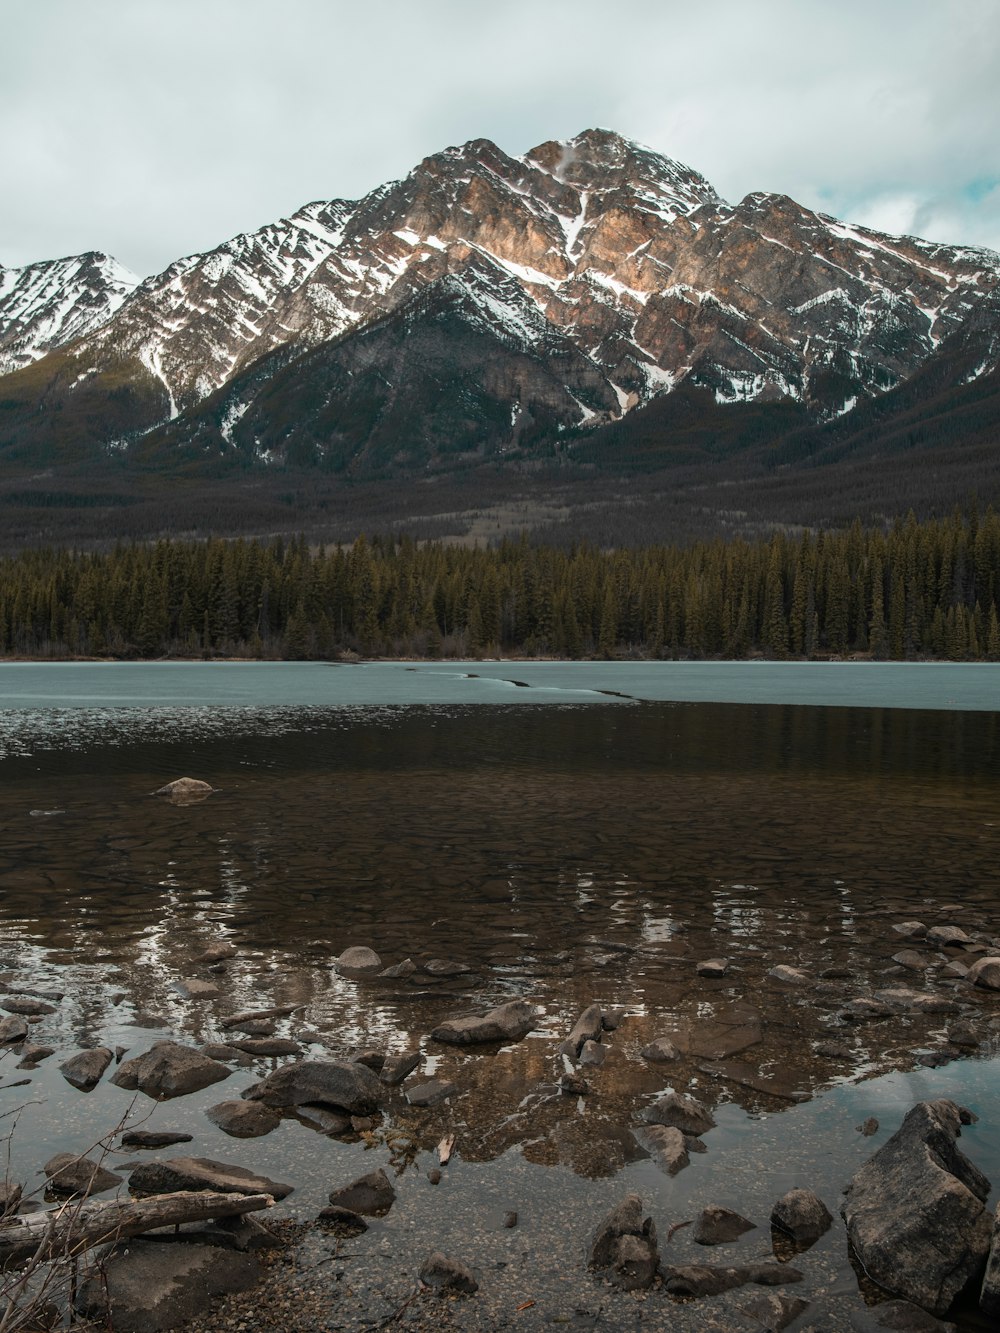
485 304
44 305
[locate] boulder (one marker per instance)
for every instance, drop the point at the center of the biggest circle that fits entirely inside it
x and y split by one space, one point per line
431 1093
243 1120
802 1215
713 967
69 1174
370 1196
669 1147
593 1053
201 1173
510 1022
86 1069
719 1226
985 972
444 1274
691 1280
396 1067
588 1027
915 1211
12 1030
144 1286
682 1111
625 1243
339 1083
358 962
660 1051
989 1298
944 937
169 1069
185 791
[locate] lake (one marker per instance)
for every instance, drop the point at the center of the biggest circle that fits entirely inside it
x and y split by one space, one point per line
571 833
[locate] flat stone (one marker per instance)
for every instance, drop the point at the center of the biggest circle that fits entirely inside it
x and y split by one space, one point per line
720 1226
910 930
444 967
660 1051
24 1004
397 1067
681 1111
267 1046
147 1138
913 961
339 1083
790 976
145 1286
371 1195
916 1002
325 1119
201 1173
193 988
510 1022
444 1274
915 1211
169 1069
243 1120
694 1280
781 1085
431 1093
86 1069
713 967
404 969
948 937
69 1174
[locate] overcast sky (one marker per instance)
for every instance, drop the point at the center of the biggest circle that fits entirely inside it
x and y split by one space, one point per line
155 128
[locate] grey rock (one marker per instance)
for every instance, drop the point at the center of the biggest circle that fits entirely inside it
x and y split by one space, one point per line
833 1050
397 1067
12 1030
339 1083
612 1019
185 791
915 1211
682 1111
773 1311
905 1317
955 969
10 1197
32 1055
985 972
86 1069
201 1173
790 976
913 961
215 953
243 1120
625 1243
948 937
802 1215
910 930
903 1000
660 1051
145 1286
864 1009
267 1046
373 1060
593 1053
431 1093
720 1226
573 1085
25 1005
371 1195
358 961
444 1274
146 1138
692 1280
193 988
326 1120
989 1298
510 1220
444 967
669 1147
963 1034
434 1176
510 1022
169 1069
404 969
588 1027
713 967
69 1174
229 1055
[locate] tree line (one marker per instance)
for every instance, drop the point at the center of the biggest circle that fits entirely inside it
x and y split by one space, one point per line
920 589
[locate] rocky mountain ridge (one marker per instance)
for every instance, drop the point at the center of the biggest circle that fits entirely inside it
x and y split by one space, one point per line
486 305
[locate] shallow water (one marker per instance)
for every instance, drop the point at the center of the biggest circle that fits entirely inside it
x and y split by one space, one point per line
576 852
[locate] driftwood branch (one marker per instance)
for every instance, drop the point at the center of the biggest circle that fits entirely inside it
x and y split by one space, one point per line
72 1229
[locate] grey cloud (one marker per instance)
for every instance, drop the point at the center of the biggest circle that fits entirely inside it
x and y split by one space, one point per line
152 130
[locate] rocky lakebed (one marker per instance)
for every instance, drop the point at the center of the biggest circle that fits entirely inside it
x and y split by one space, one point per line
509 1168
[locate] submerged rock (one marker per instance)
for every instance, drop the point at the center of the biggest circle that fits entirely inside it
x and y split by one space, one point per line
510 1022
691 1280
669 1147
431 1093
719 1226
915 1212
169 1069
201 1173
444 1274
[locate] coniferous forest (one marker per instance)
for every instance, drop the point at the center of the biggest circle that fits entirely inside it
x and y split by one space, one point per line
929 589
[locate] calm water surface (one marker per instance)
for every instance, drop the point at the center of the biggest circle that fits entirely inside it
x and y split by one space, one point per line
572 833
